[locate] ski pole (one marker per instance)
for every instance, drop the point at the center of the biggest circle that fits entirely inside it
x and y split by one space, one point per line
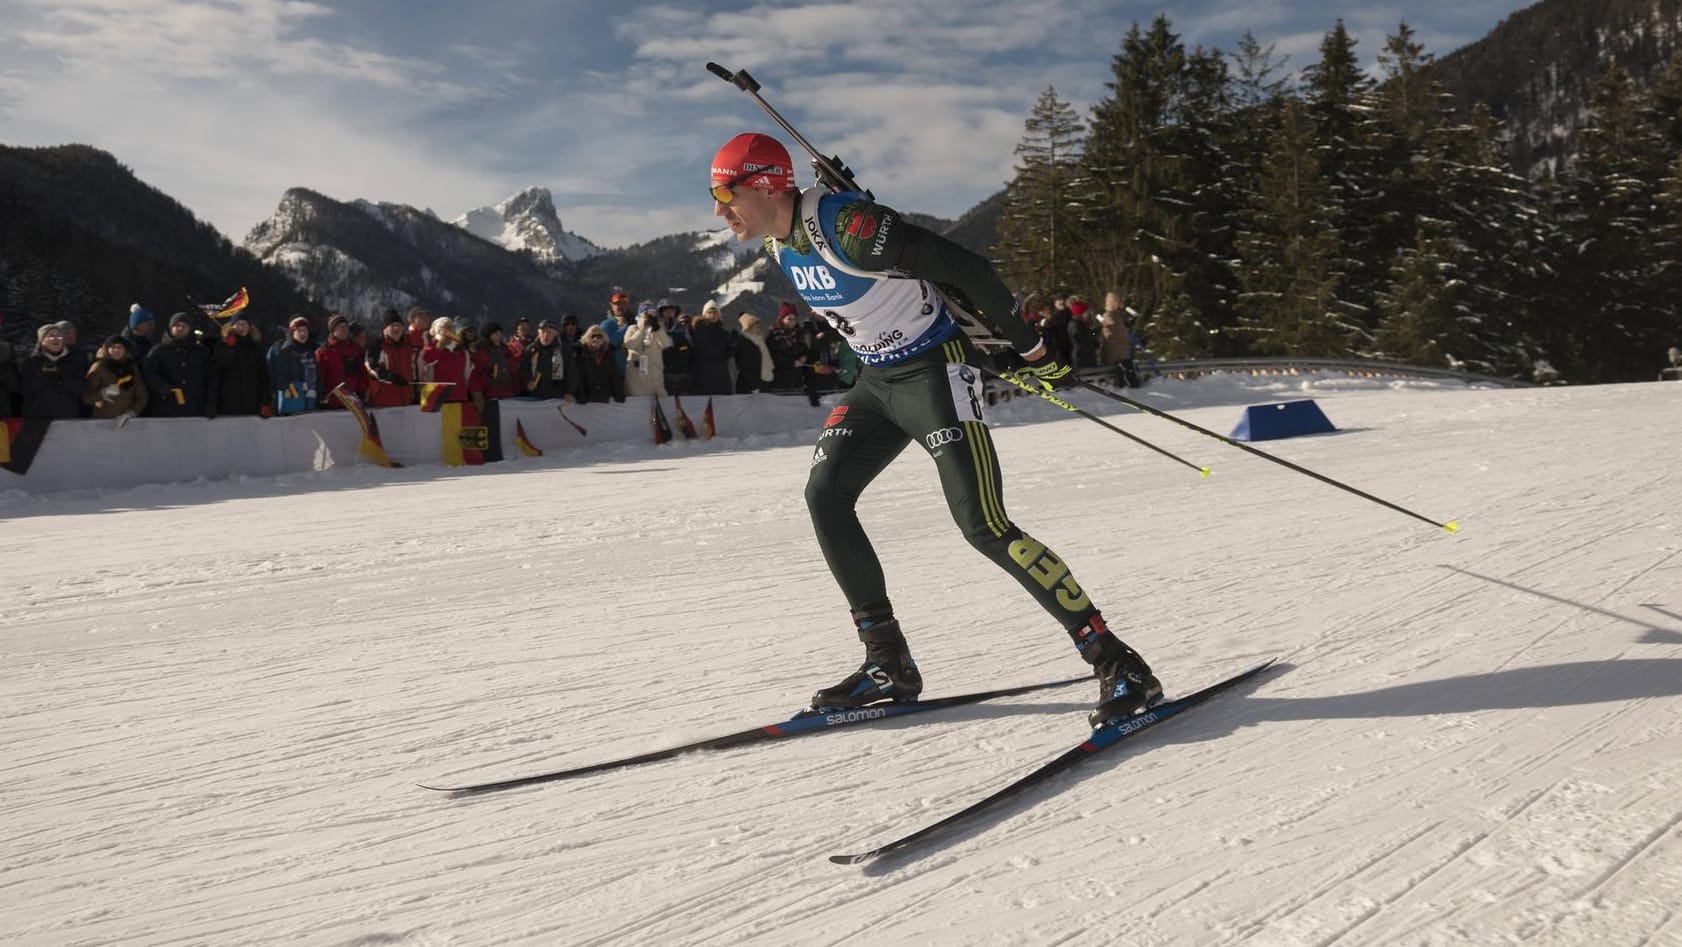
1077 409
1452 526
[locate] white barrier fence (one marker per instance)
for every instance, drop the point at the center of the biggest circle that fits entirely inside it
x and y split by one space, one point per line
85 454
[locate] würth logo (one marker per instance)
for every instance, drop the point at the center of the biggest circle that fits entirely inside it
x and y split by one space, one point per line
862 227
836 416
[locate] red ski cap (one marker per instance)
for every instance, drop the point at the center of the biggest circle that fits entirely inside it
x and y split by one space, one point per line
754 160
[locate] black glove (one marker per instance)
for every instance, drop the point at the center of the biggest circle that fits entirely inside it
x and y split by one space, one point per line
1045 373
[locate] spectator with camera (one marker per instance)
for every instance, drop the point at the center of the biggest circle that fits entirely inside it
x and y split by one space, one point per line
646 342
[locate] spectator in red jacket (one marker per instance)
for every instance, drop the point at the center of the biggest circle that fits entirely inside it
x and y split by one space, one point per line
420 328
393 363
446 361
494 360
340 362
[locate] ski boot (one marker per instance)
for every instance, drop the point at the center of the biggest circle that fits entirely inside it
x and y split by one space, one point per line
1126 685
888 673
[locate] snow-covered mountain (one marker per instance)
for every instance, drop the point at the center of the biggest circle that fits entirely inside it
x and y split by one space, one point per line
362 257
528 222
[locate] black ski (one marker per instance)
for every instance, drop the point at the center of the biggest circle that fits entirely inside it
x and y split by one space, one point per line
1101 739
801 723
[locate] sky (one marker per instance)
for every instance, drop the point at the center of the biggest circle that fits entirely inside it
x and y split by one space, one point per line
224 104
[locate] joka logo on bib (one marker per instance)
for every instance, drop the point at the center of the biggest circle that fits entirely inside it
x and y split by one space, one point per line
811 277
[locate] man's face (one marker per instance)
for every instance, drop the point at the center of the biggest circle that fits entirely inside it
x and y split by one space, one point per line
116 352
750 215
418 323
53 341
547 335
144 330
394 331
341 331
240 327
179 330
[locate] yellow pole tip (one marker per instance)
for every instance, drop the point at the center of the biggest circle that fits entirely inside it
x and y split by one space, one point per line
1453 526
1206 472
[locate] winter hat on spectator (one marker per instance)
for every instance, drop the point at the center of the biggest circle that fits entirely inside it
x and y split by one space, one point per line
335 320
392 318
709 306
1077 307
487 327
181 318
547 324
522 321
786 309
754 160
645 308
356 329
298 321
114 340
138 317
665 304
619 298
50 328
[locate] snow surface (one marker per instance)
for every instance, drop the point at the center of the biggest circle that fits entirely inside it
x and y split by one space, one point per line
219 698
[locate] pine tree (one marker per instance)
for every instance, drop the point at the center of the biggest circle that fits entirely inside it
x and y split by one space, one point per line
1340 107
1157 173
1494 236
1425 317
1623 311
1288 254
1037 236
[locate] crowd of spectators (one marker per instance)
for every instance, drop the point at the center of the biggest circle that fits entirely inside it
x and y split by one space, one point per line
196 367
199 368
1085 339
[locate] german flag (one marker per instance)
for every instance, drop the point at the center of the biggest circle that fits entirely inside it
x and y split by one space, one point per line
471 437
526 446
684 425
657 420
230 307
432 395
20 438
371 449
707 420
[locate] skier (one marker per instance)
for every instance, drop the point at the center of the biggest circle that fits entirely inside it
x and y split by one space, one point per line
871 275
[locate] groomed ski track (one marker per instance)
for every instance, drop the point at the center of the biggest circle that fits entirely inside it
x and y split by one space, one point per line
217 698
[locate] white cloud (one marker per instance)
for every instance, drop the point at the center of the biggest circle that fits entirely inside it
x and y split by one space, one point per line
225 103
